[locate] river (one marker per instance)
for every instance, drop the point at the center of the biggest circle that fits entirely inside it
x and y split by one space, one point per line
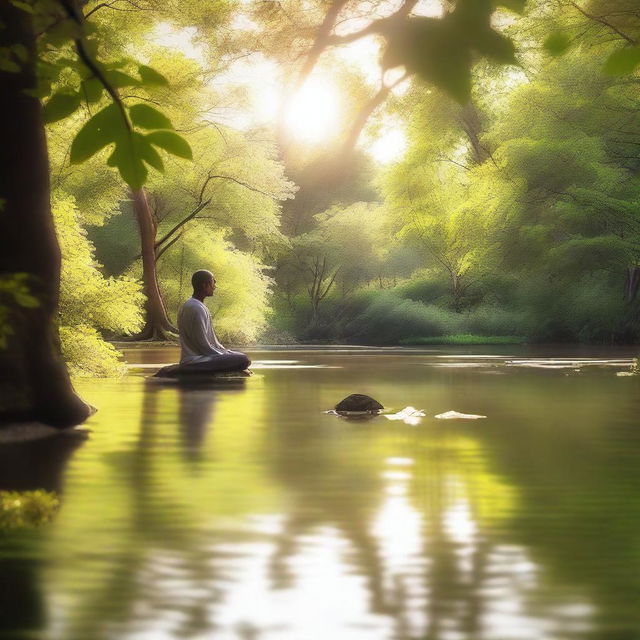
243 511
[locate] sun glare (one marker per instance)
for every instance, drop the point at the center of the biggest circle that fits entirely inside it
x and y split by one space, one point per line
314 111
389 146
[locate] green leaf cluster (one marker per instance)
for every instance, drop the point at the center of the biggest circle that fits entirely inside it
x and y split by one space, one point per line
131 150
15 292
90 304
441 50
21 510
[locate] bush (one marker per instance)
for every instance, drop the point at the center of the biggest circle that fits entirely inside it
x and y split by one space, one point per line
26 509
492 320
87 354
89 302
390 318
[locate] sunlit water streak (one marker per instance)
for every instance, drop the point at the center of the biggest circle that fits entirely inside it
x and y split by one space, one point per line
245 511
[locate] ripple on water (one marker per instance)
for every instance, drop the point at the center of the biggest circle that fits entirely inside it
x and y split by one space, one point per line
235 513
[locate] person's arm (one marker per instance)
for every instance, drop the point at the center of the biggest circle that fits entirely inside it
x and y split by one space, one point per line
214 339
202 332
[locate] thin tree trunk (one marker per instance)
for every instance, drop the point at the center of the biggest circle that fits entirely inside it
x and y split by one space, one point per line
157 323
632 283
34 382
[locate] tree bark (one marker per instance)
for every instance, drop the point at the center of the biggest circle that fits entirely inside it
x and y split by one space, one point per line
631 284
34 382
157 323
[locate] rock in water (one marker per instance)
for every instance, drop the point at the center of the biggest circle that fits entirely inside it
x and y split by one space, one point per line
358 402
180 372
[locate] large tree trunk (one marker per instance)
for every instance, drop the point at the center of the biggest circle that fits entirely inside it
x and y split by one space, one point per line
34 383
157 323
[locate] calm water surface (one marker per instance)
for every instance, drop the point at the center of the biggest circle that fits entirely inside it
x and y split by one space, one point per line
242 511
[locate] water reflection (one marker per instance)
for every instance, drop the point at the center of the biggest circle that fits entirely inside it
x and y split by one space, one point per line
249 513
196 412
35 465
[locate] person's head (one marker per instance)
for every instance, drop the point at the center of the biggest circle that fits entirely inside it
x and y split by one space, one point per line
204 283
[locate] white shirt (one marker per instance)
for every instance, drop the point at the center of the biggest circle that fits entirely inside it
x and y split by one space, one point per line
197 337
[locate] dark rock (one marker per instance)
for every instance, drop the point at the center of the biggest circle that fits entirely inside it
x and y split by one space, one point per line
181 372
358 402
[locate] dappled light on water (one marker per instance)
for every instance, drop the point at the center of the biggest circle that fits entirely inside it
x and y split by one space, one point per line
247 512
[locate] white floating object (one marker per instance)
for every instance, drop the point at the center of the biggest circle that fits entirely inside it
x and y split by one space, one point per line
455 415
408 415
625 373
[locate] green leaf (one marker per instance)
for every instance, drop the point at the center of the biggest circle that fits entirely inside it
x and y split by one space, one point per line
145 116
437 50
494 45
19 4
120 79
26 300
171 142
60 105
93 89
556 43
20 51
92 45
78 66
9 65
129 163
623 61
62 32
112 159
104 127
151 77
148 153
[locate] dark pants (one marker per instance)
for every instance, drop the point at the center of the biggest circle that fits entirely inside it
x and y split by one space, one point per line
229 361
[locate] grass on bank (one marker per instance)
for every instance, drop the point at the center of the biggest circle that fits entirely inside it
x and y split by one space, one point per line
464 338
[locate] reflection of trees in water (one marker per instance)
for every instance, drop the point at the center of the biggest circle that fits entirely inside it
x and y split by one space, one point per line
165 567
431 544
578 513
335 477
451 510
28 466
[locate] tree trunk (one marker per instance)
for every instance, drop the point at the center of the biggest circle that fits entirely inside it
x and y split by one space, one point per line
632 283
455 291
34 382
471 123
157 324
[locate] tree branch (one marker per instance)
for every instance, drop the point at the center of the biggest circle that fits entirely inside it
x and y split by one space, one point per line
604 22
181 224
366 112
246 185
75 14
167 246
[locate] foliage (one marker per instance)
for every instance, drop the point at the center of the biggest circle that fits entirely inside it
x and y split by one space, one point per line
119 125
240 303
89 302
26 509
513 212
14 292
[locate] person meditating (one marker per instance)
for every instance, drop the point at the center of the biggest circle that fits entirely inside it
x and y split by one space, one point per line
201 351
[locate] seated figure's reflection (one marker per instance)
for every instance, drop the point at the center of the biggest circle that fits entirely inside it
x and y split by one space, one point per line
197 412
35 465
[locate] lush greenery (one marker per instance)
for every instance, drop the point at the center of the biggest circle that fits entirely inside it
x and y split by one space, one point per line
26 509
515 214
512 214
